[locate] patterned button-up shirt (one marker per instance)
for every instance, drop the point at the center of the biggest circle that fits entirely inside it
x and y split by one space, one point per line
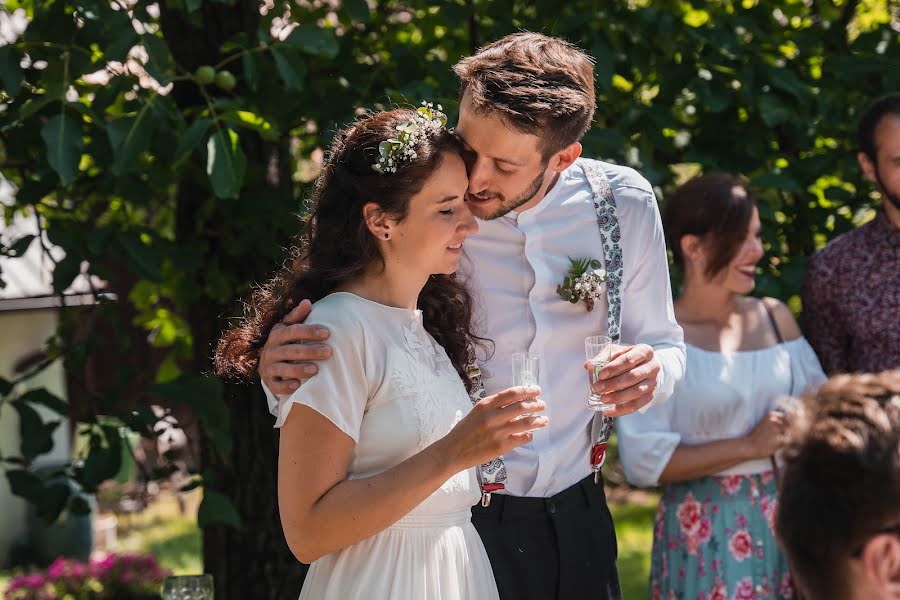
851 300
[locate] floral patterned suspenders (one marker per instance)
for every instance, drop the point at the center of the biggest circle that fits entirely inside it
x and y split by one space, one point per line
492 475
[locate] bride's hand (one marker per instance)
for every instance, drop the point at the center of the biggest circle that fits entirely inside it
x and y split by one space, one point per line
494 426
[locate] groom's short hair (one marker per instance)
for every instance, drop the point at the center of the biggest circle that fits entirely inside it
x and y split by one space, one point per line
538 84
841 481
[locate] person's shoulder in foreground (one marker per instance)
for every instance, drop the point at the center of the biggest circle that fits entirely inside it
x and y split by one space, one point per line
838 516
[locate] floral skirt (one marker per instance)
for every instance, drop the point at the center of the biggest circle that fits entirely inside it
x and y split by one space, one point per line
713 540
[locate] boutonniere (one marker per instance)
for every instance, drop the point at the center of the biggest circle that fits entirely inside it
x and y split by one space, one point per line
582 282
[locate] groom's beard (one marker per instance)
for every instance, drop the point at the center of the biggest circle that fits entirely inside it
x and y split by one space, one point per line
526 196
886 194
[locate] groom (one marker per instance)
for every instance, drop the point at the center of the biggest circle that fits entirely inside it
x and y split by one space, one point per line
526 101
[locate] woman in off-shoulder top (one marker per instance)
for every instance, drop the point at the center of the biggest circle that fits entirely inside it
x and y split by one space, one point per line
712 444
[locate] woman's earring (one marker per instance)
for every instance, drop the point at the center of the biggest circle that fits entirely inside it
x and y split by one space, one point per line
387 236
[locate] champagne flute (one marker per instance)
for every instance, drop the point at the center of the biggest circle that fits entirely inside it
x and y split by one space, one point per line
597 349
526 368
188 587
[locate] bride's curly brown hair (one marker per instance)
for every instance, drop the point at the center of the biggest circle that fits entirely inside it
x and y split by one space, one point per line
336 246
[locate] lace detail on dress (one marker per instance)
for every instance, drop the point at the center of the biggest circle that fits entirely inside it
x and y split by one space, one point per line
432 384
435 391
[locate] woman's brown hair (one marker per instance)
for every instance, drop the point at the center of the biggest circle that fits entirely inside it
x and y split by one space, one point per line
336 245
716 207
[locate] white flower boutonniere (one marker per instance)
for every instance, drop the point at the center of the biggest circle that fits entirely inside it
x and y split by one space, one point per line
582 282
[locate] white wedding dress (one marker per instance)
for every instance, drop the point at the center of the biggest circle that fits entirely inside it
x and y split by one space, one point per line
390 387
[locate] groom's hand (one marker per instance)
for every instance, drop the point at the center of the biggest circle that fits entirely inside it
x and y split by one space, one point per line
285 358
629 379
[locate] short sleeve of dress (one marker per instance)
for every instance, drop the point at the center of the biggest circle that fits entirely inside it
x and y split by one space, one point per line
805 366
647 442
339 391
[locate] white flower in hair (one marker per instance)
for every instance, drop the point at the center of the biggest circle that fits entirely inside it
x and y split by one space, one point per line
427 121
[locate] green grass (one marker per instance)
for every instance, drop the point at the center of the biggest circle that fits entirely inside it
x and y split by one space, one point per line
634 531
164 532
175 539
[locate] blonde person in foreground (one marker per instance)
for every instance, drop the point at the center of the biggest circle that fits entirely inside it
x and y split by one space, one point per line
375 482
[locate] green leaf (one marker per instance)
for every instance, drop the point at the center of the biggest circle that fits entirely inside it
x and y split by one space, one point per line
25 485
62 137
314 40
781 181
772 111
10 72
65 272
250 73
145 256
53 501
124 38
129 137
193 5
216 508
44 398
36 436
33 105
205 396
20 246
104 458
225 163
190 139
79 505
5 387
290 66
245 118
159 62
358 10
786 81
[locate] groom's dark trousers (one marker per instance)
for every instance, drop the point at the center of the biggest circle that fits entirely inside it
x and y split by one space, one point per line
562 547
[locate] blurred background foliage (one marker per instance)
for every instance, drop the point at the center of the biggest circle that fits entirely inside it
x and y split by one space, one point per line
168 146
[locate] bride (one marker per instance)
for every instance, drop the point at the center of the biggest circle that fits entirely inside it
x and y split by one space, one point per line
376 464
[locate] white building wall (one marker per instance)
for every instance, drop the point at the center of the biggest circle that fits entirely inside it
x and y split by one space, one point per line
24 332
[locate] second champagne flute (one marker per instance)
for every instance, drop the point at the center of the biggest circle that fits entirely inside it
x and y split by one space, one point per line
597 349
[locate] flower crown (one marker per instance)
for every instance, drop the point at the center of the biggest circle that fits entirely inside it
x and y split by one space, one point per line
402 147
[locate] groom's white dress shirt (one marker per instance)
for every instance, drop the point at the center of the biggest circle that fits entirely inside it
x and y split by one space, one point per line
513 266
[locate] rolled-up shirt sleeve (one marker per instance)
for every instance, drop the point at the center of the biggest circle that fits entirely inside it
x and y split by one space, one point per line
648 315
646 443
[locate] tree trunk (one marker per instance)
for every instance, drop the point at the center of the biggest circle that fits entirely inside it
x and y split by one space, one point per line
253 562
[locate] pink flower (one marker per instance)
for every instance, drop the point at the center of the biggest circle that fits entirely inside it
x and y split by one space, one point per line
741 522
704 530
766 476
744 590
731 484
719 591
768 506
741 545
689 514
786 586
692 545
655 594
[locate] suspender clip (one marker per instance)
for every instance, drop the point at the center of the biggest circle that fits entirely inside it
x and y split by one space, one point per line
485 499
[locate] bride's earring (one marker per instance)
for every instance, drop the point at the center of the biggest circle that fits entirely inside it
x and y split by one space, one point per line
387 236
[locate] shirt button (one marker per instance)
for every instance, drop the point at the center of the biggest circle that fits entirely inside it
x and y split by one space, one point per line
551 508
